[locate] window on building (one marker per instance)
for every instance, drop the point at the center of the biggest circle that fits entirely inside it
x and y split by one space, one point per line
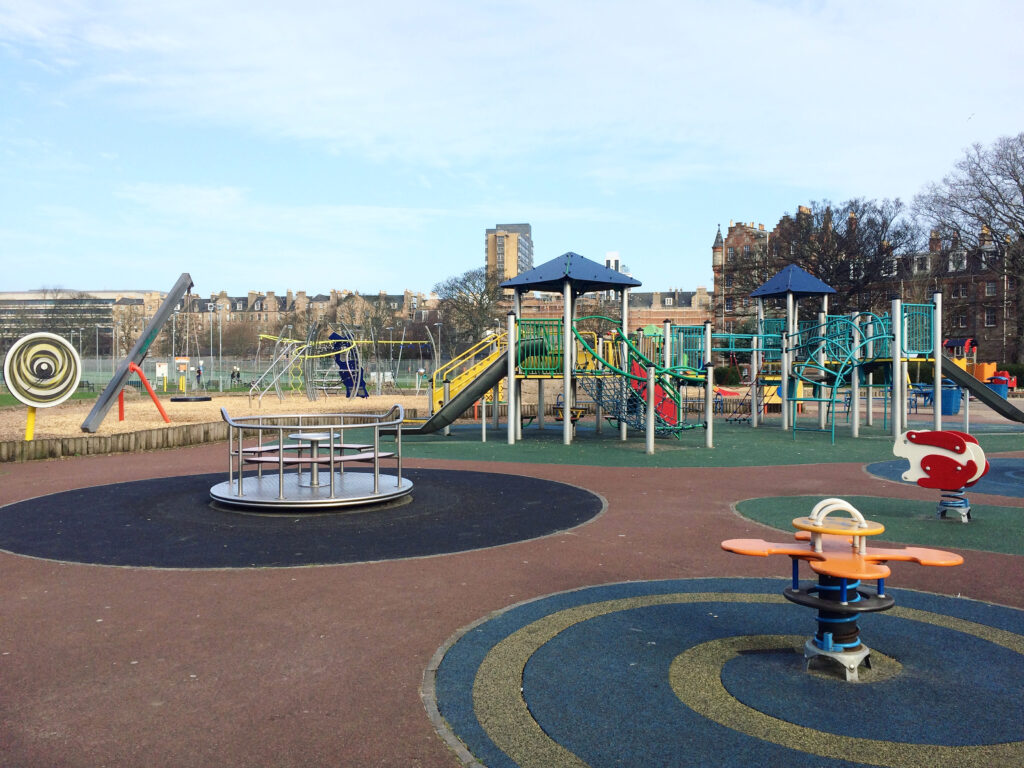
921 263
889 266
256 306
728 281
988 258
668 301
746 251
958 261
961 321
730 254
728 305
990 288
990 318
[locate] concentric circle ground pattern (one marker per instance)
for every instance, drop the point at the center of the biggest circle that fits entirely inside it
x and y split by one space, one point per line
705 673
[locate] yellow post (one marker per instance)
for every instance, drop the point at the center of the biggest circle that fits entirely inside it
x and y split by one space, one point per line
30 423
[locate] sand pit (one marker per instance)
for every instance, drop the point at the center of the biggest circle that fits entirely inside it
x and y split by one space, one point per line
140 413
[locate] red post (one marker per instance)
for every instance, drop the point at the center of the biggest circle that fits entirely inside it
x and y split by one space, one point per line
156 401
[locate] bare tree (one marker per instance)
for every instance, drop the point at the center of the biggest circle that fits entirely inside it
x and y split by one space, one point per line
468 305
980 206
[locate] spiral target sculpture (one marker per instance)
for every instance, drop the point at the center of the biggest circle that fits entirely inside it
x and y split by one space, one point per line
41 370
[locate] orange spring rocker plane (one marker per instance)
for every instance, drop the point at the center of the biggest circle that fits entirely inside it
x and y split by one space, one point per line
836 550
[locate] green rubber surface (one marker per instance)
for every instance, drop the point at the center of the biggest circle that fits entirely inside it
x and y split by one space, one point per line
735 445
992 528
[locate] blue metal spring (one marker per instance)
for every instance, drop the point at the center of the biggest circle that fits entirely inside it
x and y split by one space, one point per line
954 501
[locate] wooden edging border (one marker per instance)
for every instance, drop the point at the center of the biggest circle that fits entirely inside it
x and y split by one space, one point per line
122 442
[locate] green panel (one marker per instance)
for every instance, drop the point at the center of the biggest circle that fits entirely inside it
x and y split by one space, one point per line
550 331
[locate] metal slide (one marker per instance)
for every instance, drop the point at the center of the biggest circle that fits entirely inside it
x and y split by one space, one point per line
464 399
951 370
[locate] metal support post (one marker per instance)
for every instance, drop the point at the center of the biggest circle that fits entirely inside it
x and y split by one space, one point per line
567 347
898 402
820 388
649 426
510 389
937 357
447 397
755 365
709 407
855 378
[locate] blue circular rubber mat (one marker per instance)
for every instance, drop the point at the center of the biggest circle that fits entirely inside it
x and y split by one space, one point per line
171 523
1005 477
710 672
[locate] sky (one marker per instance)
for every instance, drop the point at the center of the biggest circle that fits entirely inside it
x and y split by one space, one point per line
312 145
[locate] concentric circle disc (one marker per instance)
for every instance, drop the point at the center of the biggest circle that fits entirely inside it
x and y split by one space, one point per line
42 369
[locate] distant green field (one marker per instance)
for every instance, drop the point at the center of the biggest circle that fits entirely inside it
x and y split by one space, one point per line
6 398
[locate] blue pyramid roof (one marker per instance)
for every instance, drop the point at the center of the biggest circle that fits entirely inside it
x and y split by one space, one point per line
793 280
584 276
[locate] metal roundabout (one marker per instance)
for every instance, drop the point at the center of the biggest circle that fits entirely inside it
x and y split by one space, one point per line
307 461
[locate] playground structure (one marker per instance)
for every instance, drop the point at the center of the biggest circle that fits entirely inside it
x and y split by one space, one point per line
329 360
325 361
947 461
41 370
625 385
300 441
808 369
839 555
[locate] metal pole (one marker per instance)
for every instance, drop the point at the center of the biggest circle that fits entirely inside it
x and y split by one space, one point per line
483 417
755 365
820 393
855 379
624 363
626 385
784 368
447 397
649 426
567 346
709 387
937 356
667 343
709 407
598 408
540 403
898 406
510 389
869 394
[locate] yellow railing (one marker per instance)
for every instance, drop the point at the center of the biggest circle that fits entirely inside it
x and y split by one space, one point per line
465 368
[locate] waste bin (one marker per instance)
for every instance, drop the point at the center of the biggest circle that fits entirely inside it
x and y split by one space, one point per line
951 400
999 385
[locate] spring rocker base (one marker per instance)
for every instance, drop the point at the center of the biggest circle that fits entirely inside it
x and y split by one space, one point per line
947 461
838 554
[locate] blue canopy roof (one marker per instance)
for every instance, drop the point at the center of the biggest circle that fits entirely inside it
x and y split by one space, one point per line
584 276
793 280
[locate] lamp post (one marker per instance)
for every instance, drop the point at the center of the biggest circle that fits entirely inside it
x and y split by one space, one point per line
97 369
440 349
391 340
